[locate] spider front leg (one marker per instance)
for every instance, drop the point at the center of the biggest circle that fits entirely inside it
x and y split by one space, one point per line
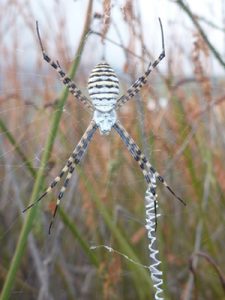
73 160
137 85
63 76
144 164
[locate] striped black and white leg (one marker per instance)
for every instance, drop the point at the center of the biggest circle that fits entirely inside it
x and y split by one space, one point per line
138 84
64 77
62 191
75 158
144 164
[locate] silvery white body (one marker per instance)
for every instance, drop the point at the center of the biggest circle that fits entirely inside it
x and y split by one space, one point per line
105 120
103 87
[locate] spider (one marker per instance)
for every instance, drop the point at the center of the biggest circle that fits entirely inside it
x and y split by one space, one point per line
103 88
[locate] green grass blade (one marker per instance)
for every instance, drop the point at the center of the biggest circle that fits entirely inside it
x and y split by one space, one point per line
18 150
85 246
20 248
141 275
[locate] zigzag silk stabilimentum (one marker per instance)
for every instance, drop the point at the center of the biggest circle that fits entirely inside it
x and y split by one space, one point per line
150 205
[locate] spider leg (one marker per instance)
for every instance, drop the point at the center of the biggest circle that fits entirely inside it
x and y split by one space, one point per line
61 193
137 85
144 164
63 76
75 158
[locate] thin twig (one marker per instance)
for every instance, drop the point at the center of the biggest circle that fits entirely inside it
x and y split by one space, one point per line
213 263
202 32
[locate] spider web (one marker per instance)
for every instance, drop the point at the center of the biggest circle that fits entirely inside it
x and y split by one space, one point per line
17 182
26 111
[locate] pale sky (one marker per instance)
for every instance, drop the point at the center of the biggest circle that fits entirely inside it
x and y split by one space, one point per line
176 24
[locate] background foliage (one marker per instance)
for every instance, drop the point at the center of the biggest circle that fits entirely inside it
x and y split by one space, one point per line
178 120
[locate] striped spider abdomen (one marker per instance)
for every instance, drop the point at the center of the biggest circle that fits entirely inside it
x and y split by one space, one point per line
103 88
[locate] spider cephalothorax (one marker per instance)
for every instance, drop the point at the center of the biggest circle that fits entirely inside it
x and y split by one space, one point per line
103 87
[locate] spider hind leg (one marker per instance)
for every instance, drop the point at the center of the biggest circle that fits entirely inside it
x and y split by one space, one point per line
52 185
61 193
73 160
144 164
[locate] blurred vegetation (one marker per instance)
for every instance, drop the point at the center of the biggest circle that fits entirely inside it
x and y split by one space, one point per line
178 120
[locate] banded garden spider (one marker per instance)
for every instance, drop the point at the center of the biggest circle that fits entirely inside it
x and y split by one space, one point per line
103 88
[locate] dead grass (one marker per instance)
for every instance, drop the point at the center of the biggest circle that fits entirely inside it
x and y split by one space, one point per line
184 140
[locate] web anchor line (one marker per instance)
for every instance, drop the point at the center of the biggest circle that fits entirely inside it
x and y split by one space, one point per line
151 205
